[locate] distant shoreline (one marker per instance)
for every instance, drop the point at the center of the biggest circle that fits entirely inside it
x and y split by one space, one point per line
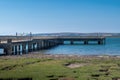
112 36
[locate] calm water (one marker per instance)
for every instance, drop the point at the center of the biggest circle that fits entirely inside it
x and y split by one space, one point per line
112 47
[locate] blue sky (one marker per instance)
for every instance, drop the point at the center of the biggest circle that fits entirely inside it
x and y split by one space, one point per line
48 16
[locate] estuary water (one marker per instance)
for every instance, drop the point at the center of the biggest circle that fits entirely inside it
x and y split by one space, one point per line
111 47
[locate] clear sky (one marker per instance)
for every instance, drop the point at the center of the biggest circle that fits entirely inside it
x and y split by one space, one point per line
49 16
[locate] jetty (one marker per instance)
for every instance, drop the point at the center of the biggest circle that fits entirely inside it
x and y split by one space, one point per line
17 45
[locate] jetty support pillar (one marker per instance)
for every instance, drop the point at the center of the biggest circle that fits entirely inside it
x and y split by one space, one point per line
85 42
8 47
24 50
71 42
30 47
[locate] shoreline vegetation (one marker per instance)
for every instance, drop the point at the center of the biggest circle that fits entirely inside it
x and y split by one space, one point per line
37 66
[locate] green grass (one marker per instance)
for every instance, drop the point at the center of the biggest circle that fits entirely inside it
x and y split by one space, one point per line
46 69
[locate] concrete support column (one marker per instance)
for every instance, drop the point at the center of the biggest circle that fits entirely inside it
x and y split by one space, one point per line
34 46
42 44
19 49
15 49
55 43
38 45
24 49
45 45
9 41
61 42
30 47
104 41
100 42
86 42
52 44
48 44
71 42
9 49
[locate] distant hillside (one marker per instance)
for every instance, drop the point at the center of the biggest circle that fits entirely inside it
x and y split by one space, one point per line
78 34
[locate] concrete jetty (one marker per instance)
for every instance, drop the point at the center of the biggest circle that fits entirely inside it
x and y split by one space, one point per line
17 45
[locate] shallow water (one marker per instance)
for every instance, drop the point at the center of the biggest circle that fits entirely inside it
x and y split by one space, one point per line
112 47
